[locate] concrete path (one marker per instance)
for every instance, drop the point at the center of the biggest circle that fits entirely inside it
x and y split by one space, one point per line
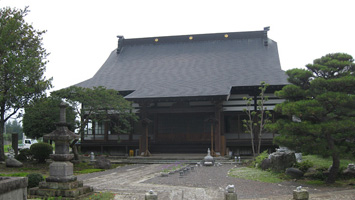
127 184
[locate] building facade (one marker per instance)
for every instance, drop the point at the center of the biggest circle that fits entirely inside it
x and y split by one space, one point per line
188 92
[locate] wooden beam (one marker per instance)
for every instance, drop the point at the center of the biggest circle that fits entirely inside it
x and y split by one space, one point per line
180 110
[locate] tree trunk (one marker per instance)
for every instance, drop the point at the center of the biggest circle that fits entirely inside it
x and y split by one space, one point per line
2 151
2 125
334 169
336 161
252 143
75 149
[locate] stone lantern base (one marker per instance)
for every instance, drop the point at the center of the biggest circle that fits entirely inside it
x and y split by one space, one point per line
64 190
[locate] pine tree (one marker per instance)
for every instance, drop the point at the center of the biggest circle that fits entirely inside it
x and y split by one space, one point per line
322 98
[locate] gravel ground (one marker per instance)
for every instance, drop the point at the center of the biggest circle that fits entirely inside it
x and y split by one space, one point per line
216 177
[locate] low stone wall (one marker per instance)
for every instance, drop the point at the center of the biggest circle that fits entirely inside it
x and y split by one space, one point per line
13 188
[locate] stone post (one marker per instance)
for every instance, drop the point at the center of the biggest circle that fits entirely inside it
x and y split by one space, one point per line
300 194
14 141
230 193
151 195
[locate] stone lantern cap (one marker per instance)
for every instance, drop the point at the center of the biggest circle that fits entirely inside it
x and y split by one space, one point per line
62 133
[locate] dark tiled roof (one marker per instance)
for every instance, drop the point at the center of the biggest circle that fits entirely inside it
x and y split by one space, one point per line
181 66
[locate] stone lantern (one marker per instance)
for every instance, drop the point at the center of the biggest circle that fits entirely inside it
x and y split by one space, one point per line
61 170
61 181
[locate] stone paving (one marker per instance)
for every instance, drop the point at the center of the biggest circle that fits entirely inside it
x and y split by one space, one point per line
131 182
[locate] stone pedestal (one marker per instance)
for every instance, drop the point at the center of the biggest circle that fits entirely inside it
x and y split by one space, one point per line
230 193
61 172
61 182
70 190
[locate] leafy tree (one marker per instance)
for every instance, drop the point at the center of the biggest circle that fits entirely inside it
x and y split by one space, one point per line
98 104
257 119
41 116
321 98
22 65
12 127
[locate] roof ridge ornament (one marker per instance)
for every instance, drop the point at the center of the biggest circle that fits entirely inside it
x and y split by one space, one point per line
120 43
266 40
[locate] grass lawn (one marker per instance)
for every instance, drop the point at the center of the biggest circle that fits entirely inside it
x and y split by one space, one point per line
255 174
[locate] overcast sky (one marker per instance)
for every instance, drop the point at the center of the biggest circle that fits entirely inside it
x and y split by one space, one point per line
82 33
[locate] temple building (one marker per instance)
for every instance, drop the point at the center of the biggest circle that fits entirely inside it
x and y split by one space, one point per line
188 92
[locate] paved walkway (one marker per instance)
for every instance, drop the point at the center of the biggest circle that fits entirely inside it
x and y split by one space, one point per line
131 183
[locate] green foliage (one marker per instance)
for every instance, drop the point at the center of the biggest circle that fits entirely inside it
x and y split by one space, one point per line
88 171
41 116
259 159
22 65
99 104
18 174
7 147
322 98
101 196
34 179
24 155
304 165
41 151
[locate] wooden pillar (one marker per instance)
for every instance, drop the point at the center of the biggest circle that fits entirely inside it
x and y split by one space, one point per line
145 124
106 129
217 135
155 127
212 121
143 142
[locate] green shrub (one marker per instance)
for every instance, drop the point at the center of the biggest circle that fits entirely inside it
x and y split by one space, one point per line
24 154
41 151
259 159
34 179
304 165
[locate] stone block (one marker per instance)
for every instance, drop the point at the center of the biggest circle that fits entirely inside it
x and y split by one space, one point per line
102 163
67 194
61 172
300 194
12 162
280 161
294 172
230 196
13 188
61 186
